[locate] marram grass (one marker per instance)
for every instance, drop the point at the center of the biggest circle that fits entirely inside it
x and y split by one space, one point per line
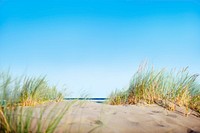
24 91
167 88
21 119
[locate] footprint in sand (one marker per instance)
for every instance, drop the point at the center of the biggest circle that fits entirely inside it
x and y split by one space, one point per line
135 123
172 115
160 125
169 120
114 113
191 131
150 113
157 111
154 112
98 122
111 112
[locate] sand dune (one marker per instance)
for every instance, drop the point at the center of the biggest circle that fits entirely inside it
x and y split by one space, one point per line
90 117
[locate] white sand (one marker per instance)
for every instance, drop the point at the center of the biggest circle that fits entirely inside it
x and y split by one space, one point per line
92 117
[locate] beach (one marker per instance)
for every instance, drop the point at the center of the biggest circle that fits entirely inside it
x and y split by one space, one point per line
91 117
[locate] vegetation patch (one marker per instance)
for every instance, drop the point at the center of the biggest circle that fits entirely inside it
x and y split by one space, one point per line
167 88
15 93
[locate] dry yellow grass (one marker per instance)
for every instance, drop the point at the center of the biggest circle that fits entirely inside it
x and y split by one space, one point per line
173 88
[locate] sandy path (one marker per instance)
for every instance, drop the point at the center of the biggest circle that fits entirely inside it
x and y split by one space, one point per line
92 117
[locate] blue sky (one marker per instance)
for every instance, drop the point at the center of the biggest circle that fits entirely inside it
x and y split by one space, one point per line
95 46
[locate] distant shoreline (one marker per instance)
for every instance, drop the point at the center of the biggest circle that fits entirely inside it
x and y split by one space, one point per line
97 100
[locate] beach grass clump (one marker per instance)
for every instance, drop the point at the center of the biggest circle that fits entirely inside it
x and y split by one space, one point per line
27 91
195 103
167 88
118 97
16 93
20 119
37 90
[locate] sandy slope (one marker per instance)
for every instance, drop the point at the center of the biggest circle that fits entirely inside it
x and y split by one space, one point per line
90 117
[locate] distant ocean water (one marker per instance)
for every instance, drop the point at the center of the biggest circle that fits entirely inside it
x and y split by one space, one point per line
97 100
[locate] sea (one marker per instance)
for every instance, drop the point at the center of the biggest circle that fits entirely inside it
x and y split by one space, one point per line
97 100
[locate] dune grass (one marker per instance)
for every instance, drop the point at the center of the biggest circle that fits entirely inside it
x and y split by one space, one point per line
167 88
26 91
15 93
18 96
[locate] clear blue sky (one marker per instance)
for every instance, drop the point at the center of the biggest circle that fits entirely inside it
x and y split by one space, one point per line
97 45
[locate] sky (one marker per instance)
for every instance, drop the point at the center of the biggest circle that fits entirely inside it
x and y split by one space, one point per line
95 46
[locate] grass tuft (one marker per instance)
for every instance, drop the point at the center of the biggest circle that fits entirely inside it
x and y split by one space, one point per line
15 93
167 88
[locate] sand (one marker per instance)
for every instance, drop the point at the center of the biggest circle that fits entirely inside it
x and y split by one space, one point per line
90 117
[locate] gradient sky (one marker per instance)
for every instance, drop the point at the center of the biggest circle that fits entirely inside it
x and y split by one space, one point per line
95 46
